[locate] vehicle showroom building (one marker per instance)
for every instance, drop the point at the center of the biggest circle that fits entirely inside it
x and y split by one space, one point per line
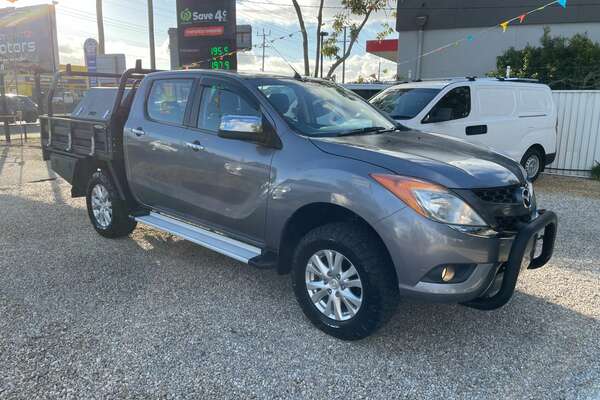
424 26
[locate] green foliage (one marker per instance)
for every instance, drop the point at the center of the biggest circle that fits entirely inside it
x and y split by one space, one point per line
596 171
352 8
560 62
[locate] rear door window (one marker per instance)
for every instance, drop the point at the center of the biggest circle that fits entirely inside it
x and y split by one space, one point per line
168 100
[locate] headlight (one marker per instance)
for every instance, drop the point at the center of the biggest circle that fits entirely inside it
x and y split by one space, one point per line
430 200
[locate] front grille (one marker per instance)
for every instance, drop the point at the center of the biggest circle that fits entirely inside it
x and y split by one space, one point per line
503 195
504 205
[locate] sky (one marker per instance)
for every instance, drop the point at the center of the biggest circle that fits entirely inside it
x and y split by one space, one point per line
126 31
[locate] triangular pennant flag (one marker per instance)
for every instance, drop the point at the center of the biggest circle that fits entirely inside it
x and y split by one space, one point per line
563 3
522 18
504 26
470 38
456 44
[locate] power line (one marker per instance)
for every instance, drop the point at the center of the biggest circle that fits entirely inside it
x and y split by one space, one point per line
304 6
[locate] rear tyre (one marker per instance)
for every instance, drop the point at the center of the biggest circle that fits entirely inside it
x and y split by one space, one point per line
108 213
344 281
533 162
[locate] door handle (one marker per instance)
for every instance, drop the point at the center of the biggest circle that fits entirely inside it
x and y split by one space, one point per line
476 130
138 132
195 146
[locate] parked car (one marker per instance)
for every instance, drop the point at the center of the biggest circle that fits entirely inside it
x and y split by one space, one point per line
301 175
367 90
23 104
513 117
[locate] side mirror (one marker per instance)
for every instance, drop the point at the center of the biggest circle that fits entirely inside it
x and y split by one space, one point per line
241 127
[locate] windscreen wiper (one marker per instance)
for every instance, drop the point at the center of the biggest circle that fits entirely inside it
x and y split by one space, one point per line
366 131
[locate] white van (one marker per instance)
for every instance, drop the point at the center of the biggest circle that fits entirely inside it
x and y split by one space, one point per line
514 117
366 90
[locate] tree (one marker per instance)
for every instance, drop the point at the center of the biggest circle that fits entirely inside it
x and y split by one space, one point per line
560 62
304 36
357 8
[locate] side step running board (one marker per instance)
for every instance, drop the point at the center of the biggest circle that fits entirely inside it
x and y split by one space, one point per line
221 244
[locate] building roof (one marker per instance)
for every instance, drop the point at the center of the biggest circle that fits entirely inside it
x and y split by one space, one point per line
450 14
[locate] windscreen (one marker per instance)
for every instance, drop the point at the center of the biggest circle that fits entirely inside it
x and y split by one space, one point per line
404 103
315 108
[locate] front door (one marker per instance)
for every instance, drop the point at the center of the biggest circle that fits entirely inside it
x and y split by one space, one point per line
224 182
153 140
452 116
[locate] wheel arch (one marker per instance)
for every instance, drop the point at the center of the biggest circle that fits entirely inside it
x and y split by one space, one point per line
85 169
540 148
311 216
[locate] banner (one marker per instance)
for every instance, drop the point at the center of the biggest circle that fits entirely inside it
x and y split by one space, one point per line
90 52
207 37
28 36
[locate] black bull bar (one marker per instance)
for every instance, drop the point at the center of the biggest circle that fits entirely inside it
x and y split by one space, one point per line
548 222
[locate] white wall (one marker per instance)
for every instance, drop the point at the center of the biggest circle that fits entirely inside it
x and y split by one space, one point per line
478 57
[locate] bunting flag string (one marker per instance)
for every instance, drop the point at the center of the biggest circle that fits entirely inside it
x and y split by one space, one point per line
504 25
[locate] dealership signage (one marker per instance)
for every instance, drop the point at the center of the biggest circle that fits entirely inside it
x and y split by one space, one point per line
90 52
28 36
207 37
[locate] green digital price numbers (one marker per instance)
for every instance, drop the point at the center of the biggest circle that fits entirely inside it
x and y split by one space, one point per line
220 64
219 53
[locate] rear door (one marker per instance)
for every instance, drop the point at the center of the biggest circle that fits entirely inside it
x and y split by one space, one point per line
224 182
153 141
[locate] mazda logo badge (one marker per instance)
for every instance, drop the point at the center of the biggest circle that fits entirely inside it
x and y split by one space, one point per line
526 196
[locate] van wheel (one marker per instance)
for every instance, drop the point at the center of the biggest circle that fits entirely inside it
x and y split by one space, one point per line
533 162
343 280
108 213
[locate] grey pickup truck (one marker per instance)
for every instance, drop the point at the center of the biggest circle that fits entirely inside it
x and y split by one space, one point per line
305 177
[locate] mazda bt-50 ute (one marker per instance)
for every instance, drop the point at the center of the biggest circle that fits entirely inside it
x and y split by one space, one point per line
306 177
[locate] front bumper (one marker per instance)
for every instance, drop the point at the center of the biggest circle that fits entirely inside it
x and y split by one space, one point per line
417 245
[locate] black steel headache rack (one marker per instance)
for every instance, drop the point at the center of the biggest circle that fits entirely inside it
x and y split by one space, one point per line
98 136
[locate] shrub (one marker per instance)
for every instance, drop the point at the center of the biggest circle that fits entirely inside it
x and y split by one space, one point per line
596 171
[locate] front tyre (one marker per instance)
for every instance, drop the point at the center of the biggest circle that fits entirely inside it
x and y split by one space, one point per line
533 163
344 281
108 213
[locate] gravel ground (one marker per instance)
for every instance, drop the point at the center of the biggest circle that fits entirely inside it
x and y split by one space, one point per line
152 316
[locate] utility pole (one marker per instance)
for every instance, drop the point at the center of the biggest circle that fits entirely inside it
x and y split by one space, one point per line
151 33
4 105
264 45
343 54
100 20
322 35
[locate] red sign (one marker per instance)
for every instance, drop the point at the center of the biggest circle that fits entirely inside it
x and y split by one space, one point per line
374 46
204 31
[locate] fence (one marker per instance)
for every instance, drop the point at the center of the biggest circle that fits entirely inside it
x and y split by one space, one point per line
578 143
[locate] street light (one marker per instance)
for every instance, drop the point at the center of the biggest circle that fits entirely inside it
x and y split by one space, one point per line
322 34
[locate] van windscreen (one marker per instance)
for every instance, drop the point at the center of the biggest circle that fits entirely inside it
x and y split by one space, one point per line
404 103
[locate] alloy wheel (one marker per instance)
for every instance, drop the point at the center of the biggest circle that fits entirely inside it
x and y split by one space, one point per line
101 206
334 285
